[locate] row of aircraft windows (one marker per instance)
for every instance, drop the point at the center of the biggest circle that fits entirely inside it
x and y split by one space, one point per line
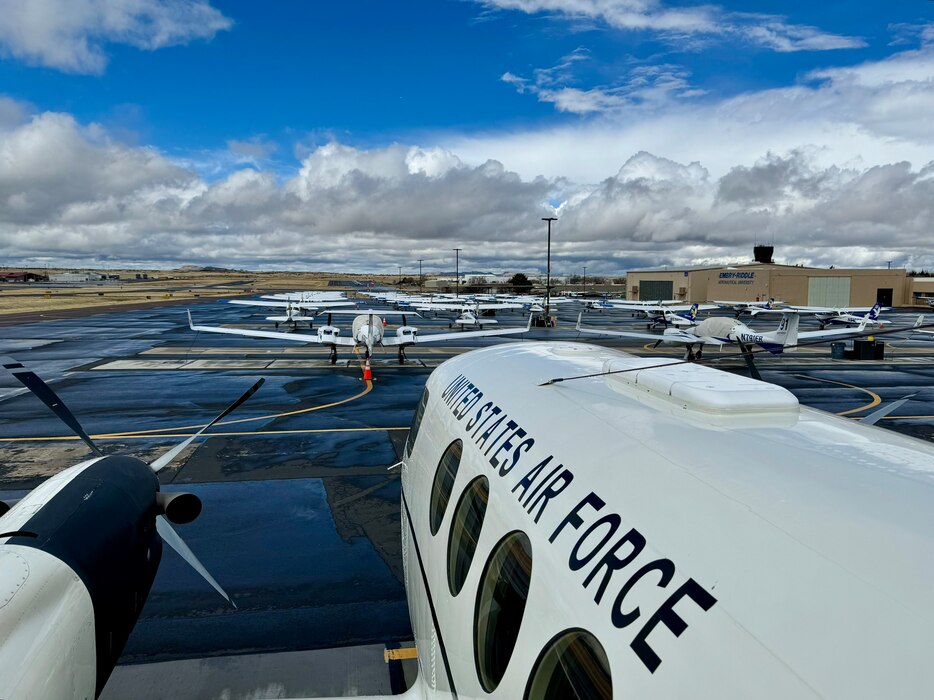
573 664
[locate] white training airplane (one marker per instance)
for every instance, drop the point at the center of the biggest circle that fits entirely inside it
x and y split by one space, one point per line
78 556
295 311
554 548
317 297
469 314
668 314
720 330
741 306
825 316
367 331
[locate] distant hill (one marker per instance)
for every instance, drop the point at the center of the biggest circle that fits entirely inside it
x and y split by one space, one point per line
204 268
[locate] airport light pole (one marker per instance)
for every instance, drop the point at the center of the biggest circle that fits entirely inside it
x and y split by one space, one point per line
420 275
585 278
457 272
549 219
400 275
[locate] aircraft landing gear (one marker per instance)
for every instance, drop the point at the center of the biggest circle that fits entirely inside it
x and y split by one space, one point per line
333 356
402 357
690 355
277 324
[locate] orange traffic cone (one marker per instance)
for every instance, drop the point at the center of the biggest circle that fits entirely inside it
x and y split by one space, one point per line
367 372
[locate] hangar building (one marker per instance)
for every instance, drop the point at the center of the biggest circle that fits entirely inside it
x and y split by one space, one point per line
812 286
758 281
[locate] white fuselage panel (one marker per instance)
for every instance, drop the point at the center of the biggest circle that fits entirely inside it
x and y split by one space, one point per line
46 616
786 556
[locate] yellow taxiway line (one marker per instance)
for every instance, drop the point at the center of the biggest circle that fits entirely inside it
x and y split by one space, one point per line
159 431
174 432
106 436
876 399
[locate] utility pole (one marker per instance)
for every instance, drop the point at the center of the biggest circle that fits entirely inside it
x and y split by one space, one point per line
549 219
457 272
420 275
400 275
585 278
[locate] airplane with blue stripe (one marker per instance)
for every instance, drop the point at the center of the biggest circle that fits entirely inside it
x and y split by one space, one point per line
720 330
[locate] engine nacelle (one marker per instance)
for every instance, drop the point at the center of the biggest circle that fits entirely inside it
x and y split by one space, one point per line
328 333
406 333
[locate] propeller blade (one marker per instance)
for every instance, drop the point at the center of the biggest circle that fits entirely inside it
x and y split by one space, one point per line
163 461
172 538
44 393
750 362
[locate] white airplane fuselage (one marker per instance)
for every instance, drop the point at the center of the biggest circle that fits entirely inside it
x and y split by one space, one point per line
646 530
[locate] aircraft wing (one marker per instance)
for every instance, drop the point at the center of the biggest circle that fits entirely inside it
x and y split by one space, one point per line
455 335
832 333
367 312
740 304
287 304
275 335
688 307
677 337
450 306
841 310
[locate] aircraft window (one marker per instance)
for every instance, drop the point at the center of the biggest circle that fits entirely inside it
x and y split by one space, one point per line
504 588
443 483
573 665
416 421
465 531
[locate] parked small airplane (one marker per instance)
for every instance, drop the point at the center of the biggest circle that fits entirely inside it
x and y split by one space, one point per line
720 330
78 556
838 316
367 331
740 306
668 314
295 311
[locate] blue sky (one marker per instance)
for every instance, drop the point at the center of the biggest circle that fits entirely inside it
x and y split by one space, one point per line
212 98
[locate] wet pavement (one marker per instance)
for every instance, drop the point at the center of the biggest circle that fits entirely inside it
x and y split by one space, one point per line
301 517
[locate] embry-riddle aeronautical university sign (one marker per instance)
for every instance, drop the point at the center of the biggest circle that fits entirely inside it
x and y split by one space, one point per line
737 277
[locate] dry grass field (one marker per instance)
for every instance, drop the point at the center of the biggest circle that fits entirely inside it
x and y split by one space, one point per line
161 287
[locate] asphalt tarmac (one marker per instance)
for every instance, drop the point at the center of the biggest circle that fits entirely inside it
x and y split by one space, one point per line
301 517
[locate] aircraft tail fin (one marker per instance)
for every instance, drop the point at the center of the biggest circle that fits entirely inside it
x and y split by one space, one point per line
787 332
920 321
874 312
578 326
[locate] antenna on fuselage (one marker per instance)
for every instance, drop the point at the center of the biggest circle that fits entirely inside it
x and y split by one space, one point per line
729 356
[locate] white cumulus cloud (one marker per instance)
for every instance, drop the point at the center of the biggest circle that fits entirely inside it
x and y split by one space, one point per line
71 35
838 169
